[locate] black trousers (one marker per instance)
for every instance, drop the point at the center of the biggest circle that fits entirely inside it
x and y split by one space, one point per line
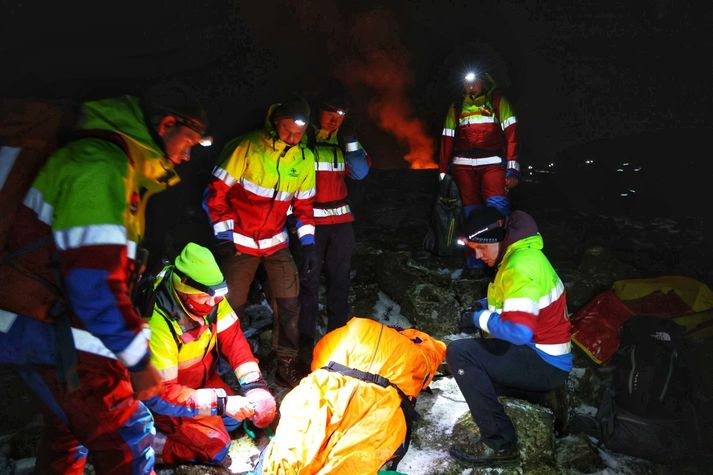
486 368
334 244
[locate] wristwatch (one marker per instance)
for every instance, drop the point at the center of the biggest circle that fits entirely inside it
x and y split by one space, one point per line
221 398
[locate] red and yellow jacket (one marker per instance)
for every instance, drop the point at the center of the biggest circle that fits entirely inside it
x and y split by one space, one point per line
484 132
336 424
250 194
187 358
335 159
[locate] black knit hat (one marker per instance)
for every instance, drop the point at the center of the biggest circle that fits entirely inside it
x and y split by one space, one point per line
293 107
484 225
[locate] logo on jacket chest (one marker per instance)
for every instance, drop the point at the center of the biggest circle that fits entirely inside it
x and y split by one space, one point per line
294 173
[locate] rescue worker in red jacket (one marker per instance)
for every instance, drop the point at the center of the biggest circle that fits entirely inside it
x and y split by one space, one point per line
338 155
78 231
479 147
192 325
260 176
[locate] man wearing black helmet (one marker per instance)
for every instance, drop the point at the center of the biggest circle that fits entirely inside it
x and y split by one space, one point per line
525 312
338 154
88 357
260 176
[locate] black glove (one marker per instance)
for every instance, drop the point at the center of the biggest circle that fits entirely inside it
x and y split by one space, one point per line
309 259
466 324
224 249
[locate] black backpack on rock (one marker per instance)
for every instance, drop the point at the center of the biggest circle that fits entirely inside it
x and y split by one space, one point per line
446 219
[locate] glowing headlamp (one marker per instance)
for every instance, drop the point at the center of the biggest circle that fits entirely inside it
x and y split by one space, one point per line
341 112
461 242
206 141
300 122
470 76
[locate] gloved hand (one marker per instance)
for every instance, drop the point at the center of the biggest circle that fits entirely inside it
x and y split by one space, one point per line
265 407
224 249
147 383
309 259
239 407
467 318
512 178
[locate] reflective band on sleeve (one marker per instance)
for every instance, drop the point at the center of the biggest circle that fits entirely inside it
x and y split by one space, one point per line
85 341
477 119
36 202
329 167
351 146
223 176
513 165
322 213
508 122
225 321
305 230
205 399
169 374
137 349
93 235
474 162
131 250
483 320
558 349
222 226
8 155
449 133
521 304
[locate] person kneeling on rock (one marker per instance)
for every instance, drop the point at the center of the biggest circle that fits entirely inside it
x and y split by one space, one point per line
525 313
191 324
352 413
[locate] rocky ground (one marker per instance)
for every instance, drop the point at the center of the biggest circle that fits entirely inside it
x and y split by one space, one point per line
395 281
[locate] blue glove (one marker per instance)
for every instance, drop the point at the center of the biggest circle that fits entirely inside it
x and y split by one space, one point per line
511 172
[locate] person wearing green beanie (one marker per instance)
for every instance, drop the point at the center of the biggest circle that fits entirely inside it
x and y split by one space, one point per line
192 325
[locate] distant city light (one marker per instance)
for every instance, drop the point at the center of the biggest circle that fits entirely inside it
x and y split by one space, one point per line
551 164
638 169
632 191
625 164
589 162
623 194
529 167
620 169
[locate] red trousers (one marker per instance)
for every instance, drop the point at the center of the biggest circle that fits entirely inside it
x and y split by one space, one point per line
477 184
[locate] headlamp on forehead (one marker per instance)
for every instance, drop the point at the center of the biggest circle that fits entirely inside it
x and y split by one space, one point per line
300 122
195 125
219 290
470 76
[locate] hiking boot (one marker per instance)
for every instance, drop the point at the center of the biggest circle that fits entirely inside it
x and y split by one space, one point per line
287 373
556 401
480 453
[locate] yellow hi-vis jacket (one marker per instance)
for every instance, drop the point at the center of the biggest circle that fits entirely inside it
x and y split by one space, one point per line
336 424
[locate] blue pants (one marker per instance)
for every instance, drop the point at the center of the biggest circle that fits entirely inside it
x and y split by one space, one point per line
486 368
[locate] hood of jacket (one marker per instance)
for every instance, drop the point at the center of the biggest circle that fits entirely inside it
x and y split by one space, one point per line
521 232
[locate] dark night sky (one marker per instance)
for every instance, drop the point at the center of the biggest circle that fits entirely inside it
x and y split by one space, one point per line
615 81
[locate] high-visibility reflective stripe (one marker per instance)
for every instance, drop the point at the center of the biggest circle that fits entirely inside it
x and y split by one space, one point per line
303 195
321 212
535 307
169 374
137 349
351 146
96 234
205 399
329 167
131 249
483 320
476 119
262 244
36 202
507 122
474 162
305 230
224 176
222 226
8 155
256 189
225 321
513 165
558 349
449 132
85 341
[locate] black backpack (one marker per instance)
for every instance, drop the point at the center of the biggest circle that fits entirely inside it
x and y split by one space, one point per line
651 377
446 219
